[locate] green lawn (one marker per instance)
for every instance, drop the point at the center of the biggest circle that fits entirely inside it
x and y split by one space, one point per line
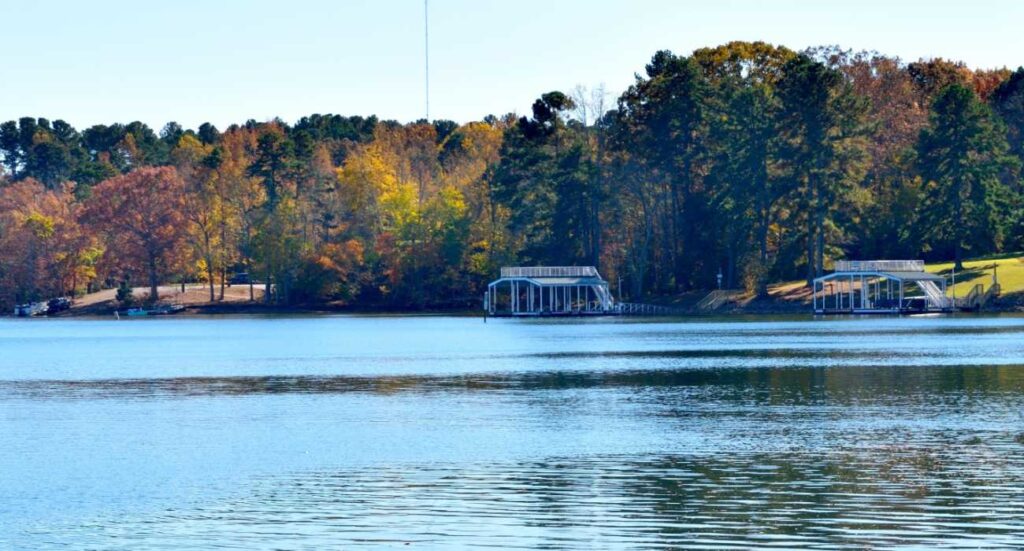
1010 270
976 270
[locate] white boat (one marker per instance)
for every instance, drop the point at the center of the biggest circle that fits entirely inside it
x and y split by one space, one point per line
30 309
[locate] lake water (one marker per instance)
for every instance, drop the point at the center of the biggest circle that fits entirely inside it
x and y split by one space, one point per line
441 432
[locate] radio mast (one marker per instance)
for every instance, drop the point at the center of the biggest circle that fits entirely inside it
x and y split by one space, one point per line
426 56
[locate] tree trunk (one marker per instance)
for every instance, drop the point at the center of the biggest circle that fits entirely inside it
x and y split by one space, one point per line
819 264
672 239
641 262
223 254
810 242
959 231
597 195
266 289
684 264
762 270
814 240
210 273
730 268
154 282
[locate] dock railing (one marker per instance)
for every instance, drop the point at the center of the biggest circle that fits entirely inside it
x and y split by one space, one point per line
972 299
549 271
879 266
637 309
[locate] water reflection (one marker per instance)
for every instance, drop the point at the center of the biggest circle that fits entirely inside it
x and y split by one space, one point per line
865 383
446 433
908 496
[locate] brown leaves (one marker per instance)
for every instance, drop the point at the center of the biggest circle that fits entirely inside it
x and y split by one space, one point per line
42 246
141 216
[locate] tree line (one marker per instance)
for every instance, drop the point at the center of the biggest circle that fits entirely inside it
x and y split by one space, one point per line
748 160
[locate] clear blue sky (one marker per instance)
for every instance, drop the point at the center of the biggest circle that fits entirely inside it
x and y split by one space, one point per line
227 61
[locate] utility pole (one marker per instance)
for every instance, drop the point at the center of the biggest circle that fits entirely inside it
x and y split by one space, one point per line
954 285
426 55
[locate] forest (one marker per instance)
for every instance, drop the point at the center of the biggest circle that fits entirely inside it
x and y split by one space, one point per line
751 160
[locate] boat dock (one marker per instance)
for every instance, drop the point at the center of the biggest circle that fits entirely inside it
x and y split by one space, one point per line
549 291
880 287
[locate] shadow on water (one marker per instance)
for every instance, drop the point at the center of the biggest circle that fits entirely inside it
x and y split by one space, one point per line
797 384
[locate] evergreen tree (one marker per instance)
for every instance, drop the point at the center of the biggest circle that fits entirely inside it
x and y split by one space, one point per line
961 154
824 150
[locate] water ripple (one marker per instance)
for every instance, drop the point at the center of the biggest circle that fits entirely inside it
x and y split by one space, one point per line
853 499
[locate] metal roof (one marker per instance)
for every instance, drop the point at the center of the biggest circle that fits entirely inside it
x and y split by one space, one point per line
549 271
567 280
554 281
915 276
903 276
879 266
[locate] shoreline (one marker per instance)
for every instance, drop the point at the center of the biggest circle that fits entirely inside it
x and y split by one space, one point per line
753 307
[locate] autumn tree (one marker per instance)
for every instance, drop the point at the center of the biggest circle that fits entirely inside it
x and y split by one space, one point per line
204 203
141 215
932 76
44 252
896 114
745 158
465 156
244 195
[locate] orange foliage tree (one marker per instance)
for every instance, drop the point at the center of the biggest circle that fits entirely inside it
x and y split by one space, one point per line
141 215
43 250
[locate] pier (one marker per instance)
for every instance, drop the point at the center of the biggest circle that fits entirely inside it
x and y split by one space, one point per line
549 291
880 287
534 291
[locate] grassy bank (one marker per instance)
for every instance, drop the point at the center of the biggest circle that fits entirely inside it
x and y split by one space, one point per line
784 297
1008 267
794 296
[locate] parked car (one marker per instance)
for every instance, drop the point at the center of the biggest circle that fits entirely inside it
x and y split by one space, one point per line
239 278
58 304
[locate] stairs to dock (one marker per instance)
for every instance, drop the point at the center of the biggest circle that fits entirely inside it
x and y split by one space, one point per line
977 297
936 298
973 299
715 300
604 297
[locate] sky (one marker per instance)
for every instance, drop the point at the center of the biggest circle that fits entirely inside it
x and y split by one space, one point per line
227 61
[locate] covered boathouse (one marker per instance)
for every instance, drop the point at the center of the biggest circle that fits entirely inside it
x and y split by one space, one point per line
880 287
549 291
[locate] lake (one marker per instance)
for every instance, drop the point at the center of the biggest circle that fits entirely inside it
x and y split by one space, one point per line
446 432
